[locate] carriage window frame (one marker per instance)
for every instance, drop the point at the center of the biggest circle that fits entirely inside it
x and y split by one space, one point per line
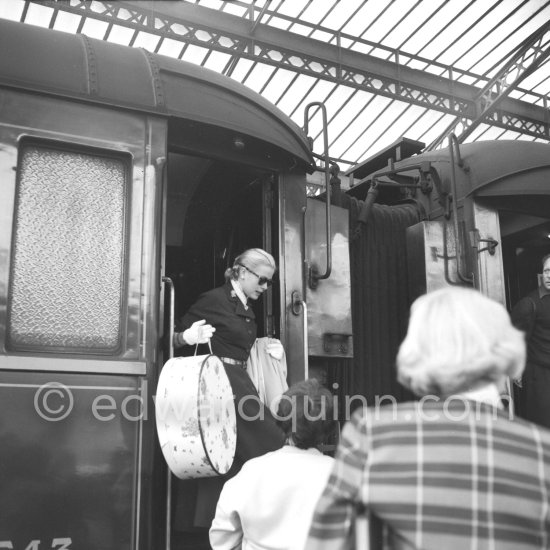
126 160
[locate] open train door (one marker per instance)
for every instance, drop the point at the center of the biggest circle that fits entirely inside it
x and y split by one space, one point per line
292 204
511 235
220 200
314 270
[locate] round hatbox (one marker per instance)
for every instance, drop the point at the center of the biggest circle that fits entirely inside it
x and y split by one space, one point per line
195 415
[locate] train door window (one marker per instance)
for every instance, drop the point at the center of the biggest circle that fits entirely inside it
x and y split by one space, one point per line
67 273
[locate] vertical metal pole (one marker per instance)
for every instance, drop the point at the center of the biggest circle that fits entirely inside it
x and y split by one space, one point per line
170 285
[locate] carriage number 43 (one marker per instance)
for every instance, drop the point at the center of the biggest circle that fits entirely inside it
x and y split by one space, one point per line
57 544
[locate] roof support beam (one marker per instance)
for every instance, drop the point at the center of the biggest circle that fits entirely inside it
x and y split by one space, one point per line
527 58
217 30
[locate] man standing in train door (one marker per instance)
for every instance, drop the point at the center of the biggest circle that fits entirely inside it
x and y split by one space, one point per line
532 315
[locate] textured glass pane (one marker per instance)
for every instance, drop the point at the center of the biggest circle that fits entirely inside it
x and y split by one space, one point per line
67 277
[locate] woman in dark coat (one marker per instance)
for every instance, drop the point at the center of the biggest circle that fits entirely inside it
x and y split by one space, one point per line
231 325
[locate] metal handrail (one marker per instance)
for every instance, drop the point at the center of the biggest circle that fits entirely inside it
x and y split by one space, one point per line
328 270
171 319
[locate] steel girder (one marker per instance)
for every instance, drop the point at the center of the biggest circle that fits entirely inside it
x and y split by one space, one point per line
244 38
527 58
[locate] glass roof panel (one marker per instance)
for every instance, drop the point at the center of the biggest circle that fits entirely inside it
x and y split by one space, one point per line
146 41
241 69
277 85
292 8
485 132
67 22
355 26
234 8
288 101
121 35
94 28
358 126
433 124
382 129
505 40
448 38
409 17
171 48
216 61
329 14
357 103
195 54
406 34
367 17
338 101
258 76
472 25
457 17
12 10
39 15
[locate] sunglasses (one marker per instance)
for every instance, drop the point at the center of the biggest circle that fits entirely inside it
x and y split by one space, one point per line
261 280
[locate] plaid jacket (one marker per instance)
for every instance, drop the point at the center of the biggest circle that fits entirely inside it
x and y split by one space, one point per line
453 475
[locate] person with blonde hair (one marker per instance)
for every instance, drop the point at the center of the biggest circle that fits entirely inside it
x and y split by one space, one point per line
470 345
452 470
227 312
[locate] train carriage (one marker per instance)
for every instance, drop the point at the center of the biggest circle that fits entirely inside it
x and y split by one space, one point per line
472 214
119 168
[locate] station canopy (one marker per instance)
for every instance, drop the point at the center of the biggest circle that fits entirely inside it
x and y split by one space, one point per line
383 69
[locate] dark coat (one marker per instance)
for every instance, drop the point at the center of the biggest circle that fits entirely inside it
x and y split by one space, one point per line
532 315
235 326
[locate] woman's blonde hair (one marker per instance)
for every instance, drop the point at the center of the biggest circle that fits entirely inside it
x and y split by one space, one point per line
458 339
251 258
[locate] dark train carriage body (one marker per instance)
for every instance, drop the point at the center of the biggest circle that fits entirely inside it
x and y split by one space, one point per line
495 195
119 168
490 198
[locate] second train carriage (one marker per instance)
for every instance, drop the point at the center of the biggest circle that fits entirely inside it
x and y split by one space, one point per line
473 214
128 182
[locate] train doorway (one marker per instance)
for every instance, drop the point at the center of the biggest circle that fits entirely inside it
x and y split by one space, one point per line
215 210
524 227
525 240
520 225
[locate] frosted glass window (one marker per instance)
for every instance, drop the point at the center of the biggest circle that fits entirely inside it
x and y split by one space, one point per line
67 271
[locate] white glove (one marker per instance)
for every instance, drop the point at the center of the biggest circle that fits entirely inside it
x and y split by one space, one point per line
198 333
275 349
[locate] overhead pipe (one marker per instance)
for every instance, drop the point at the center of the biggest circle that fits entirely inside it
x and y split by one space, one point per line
364 214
